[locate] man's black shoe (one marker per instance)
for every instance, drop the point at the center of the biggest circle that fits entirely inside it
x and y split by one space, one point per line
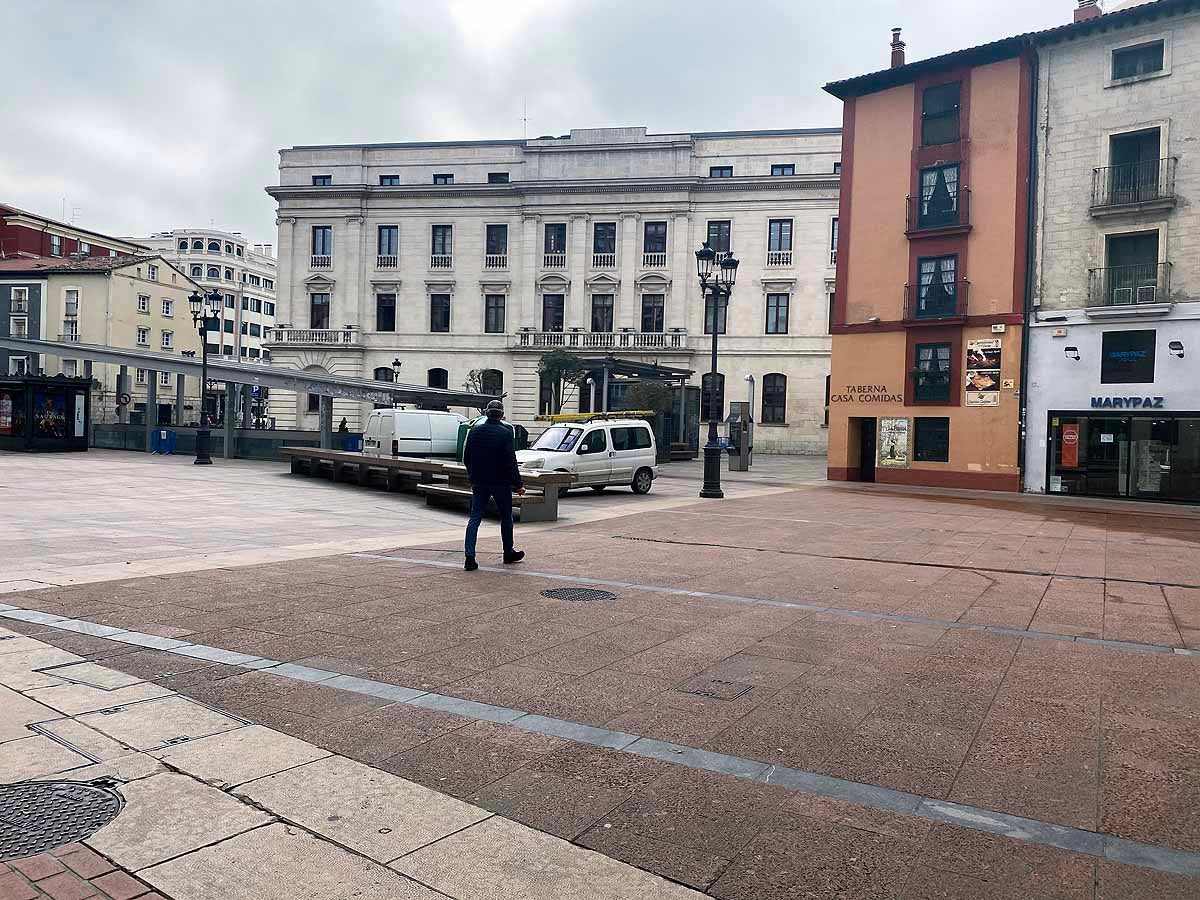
470 565
515 557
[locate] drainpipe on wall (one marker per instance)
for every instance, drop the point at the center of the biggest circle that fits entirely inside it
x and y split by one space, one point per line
1030 249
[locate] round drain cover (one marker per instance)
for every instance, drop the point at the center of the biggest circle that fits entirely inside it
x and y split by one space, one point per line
36 817
578 595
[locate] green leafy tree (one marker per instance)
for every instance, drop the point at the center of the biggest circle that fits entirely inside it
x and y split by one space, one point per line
564 372
653 395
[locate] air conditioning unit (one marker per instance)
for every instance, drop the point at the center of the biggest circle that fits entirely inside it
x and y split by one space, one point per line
1122 296
1147 293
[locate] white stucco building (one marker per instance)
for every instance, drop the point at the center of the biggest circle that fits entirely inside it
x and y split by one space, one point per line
483 255
1114 343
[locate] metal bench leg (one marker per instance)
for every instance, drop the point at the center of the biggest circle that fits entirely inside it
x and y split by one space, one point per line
297 466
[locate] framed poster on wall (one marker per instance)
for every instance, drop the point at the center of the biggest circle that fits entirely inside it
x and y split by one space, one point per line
983 372
893 443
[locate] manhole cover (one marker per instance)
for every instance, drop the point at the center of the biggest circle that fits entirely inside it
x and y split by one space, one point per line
578 595
40 816
715 688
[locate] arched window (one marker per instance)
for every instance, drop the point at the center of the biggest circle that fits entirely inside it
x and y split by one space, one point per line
183 245
197 271
439 378
197 245
774 402
229 249
492 382
214 271
385 373
214 246
229 274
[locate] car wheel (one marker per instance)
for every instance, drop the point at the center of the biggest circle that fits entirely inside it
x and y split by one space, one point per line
642 480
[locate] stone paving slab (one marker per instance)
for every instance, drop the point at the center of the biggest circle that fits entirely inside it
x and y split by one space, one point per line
235 757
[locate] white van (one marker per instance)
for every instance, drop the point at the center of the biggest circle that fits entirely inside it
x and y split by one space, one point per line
598 452
411 432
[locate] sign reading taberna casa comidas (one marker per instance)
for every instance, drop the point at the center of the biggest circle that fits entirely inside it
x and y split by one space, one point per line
1128 403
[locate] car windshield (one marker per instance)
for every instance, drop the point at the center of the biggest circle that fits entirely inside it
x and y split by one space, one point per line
558 438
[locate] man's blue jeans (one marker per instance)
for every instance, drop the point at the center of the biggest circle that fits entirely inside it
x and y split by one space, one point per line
480 495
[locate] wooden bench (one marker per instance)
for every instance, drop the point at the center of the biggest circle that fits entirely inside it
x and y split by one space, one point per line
539 503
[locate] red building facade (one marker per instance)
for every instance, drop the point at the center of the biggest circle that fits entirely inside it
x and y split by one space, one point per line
26 234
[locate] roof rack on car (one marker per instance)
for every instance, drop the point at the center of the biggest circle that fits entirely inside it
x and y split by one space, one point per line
583 418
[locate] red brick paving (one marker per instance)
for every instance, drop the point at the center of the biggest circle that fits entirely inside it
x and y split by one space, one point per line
72 872
1068 733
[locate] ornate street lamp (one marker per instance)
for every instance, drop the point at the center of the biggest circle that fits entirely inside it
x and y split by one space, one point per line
396 364
715 288
205 321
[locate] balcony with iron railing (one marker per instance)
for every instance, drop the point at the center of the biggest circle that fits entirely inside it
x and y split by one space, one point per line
1141 289
495 260
654 260
777 258
938 213
600 340
1149 184
311 337
387 261
936 301
319 261
604 260
931 386
441 261
554 260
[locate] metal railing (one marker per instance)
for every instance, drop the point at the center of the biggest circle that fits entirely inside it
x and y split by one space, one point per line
1140 182
69 337
554 260
936 300
387 261
320 336
779 257
604 260
441 260
654 260
931 385
945 211
602 340
1129 285
319 261
495 260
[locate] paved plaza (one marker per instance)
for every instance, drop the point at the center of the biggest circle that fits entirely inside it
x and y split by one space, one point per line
803 690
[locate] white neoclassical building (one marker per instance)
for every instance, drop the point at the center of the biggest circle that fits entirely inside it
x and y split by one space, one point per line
453 257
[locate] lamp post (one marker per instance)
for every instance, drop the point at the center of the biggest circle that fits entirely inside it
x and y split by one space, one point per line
205 322
396 364
715 287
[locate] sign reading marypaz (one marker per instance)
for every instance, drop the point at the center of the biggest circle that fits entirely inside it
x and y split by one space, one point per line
983 372
893 443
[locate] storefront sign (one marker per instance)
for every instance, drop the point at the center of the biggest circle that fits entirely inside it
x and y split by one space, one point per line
893 443
1128 402
867 393
983 372
1070 445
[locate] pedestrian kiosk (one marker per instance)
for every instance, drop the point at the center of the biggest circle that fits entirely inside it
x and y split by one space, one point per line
739 437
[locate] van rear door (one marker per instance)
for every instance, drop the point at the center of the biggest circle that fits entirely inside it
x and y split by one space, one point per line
379 428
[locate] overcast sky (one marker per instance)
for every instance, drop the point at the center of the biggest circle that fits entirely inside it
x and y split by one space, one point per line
147 116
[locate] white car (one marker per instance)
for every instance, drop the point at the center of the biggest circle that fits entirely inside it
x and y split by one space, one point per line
599 453
411 432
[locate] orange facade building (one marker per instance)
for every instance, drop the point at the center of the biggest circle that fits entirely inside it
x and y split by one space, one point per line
931 271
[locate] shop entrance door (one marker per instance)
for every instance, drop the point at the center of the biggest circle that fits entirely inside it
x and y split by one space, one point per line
866 449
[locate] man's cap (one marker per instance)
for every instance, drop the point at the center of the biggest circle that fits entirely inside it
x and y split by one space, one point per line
494 409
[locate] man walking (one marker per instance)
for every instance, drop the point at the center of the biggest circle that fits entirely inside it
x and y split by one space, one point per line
491 465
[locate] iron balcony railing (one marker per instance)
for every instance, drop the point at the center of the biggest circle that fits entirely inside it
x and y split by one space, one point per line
936 300
931 385
602 340
1140 182
938 211
1129 285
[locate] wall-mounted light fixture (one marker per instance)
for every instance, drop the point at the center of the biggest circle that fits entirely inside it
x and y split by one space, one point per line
874 320
1176 347
1072 353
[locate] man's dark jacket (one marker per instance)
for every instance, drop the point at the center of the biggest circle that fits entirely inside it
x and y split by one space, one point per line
489 455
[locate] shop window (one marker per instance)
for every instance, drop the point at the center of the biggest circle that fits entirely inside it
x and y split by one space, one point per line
931 439
1127 357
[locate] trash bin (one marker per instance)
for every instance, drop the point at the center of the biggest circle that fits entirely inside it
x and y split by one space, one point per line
163 441
353 443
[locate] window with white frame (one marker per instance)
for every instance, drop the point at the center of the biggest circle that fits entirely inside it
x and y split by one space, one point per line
152 273
18 326
143 303
268 308
164 378
143 336
19 300
71 301
70 368
18 365
168 340
139 376
55 245
168 307
85 247
70 329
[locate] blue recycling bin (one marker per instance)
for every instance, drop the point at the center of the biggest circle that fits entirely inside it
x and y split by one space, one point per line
353 443
163 440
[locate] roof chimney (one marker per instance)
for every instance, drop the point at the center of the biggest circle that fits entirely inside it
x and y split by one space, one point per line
1087 9
898 48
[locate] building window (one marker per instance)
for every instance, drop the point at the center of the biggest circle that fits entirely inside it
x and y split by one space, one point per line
1135 169
227 350
151 271
18 365
143 303
931 439
774 403
143 336
556 238
255 330
1130 62
183 245
1127 357
385 312
720 171
228 249
385 373
497 178
939 197
828 381
322 180
833 241
493 314
268 308
214 272
255 305
443 240
604 238
937 289
439 313
783 169
197 271
653 313
164 379
389 180
837 168
491 382
168 307
777 313
254 353
322 240
718 235
198 245
602 313
931 373
939 114
139 376
55 245
268 284
443 179
19 299
438 378
496 240
314 400
227 324
18 326
238 251
214 246
388 242
655 240
229 301
722 309
553 312
168 340
779 235
70 368
318 311
85 248
229 274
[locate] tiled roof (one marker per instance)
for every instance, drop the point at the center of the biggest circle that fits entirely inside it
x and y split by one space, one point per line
49 265
1006 47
